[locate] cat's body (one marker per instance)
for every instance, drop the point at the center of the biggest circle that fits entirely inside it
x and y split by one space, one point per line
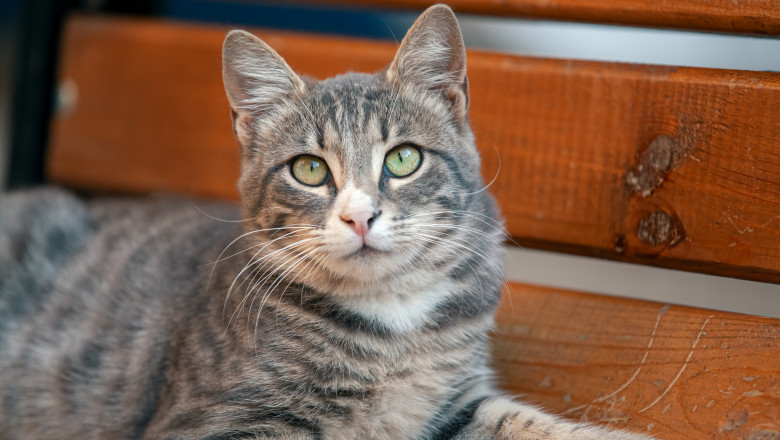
349 303
156 359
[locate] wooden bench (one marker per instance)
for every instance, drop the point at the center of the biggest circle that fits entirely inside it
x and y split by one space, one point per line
667 166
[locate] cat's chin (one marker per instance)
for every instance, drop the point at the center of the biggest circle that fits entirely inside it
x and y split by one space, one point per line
366 265
368 269
351 288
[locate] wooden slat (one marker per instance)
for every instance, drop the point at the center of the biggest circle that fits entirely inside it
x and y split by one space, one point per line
676 167
669 371
745 16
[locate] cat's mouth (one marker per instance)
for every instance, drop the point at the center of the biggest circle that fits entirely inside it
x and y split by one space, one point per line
365 251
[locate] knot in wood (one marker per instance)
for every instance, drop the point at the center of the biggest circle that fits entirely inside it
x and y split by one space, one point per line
654 164
656 228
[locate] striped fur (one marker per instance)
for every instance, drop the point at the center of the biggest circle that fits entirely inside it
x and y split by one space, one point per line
167 319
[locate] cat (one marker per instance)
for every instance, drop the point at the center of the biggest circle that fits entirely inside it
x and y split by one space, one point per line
349 297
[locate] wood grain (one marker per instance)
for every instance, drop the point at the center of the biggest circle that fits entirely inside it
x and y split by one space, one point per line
669 371
746 16
675 167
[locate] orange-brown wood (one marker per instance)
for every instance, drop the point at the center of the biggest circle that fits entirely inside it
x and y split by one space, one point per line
746 16
668 166
669 371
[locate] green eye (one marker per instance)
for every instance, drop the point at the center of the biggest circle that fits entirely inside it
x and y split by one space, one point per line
402 161
310 170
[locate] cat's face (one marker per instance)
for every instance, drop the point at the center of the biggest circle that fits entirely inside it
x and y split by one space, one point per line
360 179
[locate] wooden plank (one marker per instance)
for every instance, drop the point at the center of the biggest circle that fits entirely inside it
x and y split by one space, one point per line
675 167
747 16
669 371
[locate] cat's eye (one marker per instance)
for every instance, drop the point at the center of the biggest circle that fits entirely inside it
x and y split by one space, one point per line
403 160
310 170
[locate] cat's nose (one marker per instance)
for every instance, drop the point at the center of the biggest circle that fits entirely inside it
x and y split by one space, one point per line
360 221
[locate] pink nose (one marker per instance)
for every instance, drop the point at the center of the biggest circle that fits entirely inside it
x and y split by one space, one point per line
360 221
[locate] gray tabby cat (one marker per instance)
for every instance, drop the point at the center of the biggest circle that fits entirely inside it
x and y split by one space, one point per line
354 304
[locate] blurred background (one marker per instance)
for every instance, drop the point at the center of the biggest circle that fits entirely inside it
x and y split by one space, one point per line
30 36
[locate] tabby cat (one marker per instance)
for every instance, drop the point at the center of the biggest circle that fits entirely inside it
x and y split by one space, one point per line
349 299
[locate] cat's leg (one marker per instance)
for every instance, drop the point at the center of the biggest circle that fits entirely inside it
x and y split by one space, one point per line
500 418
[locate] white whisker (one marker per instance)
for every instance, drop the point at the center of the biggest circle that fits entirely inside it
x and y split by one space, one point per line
277 282
217 218
254 283
434 240
483 218
254 261
495 177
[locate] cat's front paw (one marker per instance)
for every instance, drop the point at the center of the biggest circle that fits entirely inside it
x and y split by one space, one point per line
515 429
503 419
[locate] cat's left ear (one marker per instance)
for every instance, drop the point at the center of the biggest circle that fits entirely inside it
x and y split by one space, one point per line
432 56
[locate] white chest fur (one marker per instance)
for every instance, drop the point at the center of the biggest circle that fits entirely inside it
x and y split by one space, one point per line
400 312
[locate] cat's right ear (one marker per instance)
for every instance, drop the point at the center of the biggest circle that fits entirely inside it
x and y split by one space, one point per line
256 80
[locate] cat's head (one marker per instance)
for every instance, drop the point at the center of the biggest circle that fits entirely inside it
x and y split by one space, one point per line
361 179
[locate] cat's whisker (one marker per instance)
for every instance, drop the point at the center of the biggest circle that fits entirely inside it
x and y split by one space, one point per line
293 251
277 282
461 243
443 230
419 251
267 273
194 205
488 221
479 282
280 278
476 233
247 265
317 260
290 248
435 240
457 212
455 274
273 266
481 217
497 270
293 227
257 263
495 177
252 262
219 259
455 217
